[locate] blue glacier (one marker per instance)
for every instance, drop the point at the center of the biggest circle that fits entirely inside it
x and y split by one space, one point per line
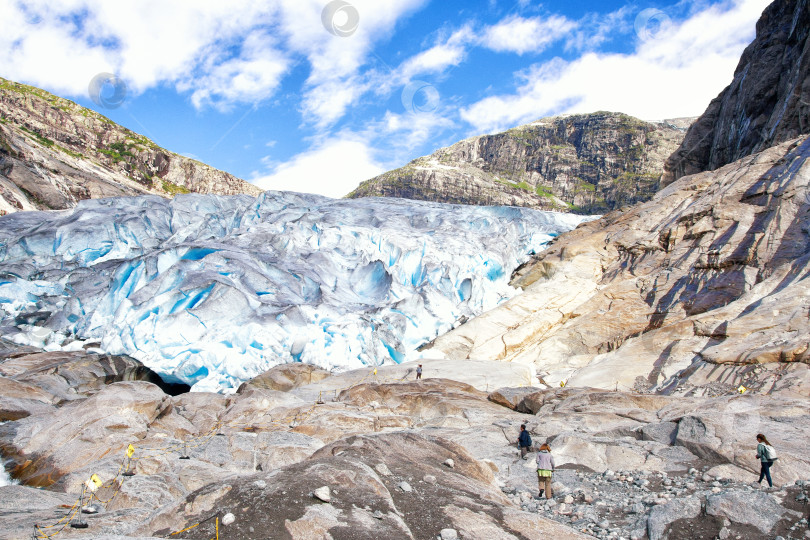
214 290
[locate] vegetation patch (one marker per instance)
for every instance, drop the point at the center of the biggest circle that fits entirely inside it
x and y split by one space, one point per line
45 141
634 153
544 191
118 151
628 178
173 189
522 185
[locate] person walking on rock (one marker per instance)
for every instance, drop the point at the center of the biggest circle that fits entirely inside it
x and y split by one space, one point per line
766 455
419 372
524 441
545 470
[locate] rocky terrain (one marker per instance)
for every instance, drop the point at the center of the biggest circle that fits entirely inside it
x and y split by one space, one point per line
647 348
367 453
588 164
767 102
696 292
54 153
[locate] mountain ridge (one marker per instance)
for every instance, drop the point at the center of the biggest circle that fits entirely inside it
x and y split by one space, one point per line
585 163
54 153
766 103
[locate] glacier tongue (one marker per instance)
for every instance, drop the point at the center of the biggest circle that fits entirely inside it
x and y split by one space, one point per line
213 290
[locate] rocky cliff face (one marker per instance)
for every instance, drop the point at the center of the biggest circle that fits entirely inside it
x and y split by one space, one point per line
584 163
697 291
54 153
700 290
767 103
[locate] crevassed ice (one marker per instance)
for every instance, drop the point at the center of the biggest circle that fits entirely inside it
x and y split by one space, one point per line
214 290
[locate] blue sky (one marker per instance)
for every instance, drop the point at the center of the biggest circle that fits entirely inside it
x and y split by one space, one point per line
318 95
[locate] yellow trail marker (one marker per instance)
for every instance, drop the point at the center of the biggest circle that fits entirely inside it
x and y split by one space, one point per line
742 389
375 371
94 483
562 384
130 451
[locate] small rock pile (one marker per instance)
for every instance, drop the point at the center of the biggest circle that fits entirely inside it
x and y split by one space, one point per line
640 504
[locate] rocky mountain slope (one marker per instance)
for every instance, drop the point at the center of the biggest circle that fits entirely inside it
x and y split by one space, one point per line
584 163
54 153
767 102
697 291
700 290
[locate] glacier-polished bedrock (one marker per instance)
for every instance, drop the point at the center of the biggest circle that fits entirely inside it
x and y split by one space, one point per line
213 290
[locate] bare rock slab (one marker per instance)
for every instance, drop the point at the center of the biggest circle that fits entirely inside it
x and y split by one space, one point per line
755 508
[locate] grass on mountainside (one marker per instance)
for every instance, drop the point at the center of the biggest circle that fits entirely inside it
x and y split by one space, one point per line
628 178
45 141
544 191
118 151
173 189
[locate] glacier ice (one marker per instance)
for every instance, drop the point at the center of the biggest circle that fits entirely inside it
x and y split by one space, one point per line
212 290
5 479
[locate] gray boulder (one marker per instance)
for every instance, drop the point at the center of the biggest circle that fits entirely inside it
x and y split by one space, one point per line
664 515
754 508
663 432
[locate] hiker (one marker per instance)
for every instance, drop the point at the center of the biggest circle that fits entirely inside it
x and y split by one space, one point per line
524 441
419 372
767 455
545 470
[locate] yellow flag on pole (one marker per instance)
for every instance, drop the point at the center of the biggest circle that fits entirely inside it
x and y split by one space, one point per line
94 483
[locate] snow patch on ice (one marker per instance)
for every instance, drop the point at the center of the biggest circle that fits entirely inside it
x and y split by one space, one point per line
213 290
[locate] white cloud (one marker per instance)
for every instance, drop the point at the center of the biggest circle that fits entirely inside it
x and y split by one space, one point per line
332 168
76 39
675 75
221 52
436 59
335 80
404 133
253 76
594 29
521 35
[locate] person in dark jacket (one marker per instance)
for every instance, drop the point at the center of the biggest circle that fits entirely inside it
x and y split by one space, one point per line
524 441
545 470
765 454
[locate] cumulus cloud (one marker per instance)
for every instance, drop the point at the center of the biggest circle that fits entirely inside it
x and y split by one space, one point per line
674 75
521 35
253 75
335 80
333 167
149 42
447 53
222 53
